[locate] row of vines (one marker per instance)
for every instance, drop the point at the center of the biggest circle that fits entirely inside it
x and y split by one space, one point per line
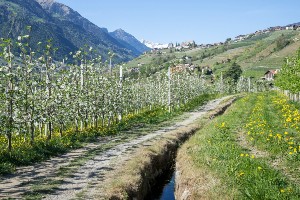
43 98
288 78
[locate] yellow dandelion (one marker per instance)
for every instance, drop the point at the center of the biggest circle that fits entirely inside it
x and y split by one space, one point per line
241 174
223 125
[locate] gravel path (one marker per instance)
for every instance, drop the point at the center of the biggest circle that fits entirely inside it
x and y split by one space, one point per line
93 171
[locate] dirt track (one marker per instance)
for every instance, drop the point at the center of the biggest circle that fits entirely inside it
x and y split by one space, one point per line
86 179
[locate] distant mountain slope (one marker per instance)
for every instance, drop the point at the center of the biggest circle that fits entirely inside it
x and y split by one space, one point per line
256 55
121 35
68 29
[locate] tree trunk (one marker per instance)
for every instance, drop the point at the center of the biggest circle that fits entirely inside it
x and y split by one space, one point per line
32 132
76 125
96 121
10 121
103 120
41 129
61 128
81 125
9 139
50 131
86 121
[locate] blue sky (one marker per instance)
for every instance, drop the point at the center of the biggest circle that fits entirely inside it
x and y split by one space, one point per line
178 20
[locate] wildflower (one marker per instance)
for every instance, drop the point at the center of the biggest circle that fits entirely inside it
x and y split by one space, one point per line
285 133
241 174
259 168
252 156
223 125
279 136
282 190
242 155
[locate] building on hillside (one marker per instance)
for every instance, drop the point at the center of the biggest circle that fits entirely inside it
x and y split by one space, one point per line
178 48
170 45
270 74
189 44
135 70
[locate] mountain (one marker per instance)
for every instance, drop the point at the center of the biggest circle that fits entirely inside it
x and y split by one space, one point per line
66 27
153 45
121 35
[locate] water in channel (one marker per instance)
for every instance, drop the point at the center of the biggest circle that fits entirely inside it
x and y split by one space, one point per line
164 190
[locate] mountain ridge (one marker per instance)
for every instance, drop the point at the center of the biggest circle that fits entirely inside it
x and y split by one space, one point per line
122 35
68 30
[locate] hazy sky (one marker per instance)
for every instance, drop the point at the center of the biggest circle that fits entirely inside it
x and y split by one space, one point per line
180 20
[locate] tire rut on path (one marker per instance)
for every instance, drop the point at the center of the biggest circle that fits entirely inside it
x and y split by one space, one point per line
93 171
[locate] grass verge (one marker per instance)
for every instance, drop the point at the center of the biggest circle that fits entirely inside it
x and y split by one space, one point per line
214 164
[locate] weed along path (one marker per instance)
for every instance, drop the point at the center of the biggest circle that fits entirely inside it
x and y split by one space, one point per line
79 173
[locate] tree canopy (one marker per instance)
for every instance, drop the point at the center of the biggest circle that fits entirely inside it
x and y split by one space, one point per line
289 75
234 72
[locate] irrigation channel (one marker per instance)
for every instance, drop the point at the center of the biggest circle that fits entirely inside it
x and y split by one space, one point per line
164 187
